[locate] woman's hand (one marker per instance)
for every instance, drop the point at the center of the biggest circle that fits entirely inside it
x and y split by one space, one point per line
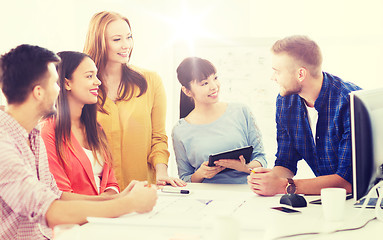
239 165
165 179
205 171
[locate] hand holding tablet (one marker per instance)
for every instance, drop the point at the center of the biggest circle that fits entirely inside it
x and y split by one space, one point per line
232 154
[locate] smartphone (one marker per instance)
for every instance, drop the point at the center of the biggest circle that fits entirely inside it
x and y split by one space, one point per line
286 210
319 202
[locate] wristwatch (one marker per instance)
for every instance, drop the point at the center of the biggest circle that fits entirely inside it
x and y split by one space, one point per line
290 188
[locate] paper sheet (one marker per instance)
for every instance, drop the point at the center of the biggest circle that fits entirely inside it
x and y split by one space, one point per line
192 210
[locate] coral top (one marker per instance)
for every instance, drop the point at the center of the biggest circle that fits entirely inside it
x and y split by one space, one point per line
78 176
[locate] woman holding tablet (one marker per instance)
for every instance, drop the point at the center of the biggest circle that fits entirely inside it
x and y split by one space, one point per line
208 126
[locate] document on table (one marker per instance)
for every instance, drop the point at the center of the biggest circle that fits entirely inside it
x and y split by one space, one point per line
181 210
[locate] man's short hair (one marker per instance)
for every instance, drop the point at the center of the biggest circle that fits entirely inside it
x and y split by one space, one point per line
21 69
303 49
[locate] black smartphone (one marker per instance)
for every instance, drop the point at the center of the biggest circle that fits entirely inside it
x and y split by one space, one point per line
319 202
286 210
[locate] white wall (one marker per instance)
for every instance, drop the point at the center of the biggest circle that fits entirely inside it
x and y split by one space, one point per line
350 33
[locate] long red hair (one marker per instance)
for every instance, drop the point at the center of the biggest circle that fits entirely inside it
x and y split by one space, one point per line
96 48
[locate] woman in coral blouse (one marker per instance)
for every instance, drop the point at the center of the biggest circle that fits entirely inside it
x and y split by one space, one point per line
78 153
132 104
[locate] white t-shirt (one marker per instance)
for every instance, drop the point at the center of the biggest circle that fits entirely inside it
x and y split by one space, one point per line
97 169
312 114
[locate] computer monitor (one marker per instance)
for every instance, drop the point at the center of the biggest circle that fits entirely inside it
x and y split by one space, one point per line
366 108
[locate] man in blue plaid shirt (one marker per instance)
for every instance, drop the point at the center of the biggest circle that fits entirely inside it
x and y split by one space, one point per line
313 123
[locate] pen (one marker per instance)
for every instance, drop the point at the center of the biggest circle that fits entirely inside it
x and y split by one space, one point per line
349 196
175 190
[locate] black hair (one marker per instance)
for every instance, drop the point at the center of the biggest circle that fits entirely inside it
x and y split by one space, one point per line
95 136
192 69
22 69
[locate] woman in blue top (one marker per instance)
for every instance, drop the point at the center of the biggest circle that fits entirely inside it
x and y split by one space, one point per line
208 126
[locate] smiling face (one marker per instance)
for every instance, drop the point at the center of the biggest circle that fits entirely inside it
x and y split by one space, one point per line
83 86
205 91
285 74
119 41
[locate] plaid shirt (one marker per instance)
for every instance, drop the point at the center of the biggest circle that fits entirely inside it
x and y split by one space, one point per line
27 188
332 152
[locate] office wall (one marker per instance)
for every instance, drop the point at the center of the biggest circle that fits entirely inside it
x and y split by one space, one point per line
349 33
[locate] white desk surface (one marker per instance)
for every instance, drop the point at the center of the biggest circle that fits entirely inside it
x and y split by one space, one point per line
233 205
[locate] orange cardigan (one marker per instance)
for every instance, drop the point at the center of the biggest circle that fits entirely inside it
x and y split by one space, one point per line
78 176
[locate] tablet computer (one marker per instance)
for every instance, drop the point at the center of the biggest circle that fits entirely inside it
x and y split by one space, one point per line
232 154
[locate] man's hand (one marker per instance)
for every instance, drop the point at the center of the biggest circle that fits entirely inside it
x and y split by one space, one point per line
265 182
143 196
129 188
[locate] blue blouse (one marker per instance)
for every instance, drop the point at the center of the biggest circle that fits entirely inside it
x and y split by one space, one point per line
193 143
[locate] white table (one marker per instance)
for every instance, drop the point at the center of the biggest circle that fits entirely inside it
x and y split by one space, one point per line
233 209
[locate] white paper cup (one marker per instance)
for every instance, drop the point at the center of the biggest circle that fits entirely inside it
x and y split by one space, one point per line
333 202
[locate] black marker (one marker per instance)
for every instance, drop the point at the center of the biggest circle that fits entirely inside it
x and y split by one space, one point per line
175 190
